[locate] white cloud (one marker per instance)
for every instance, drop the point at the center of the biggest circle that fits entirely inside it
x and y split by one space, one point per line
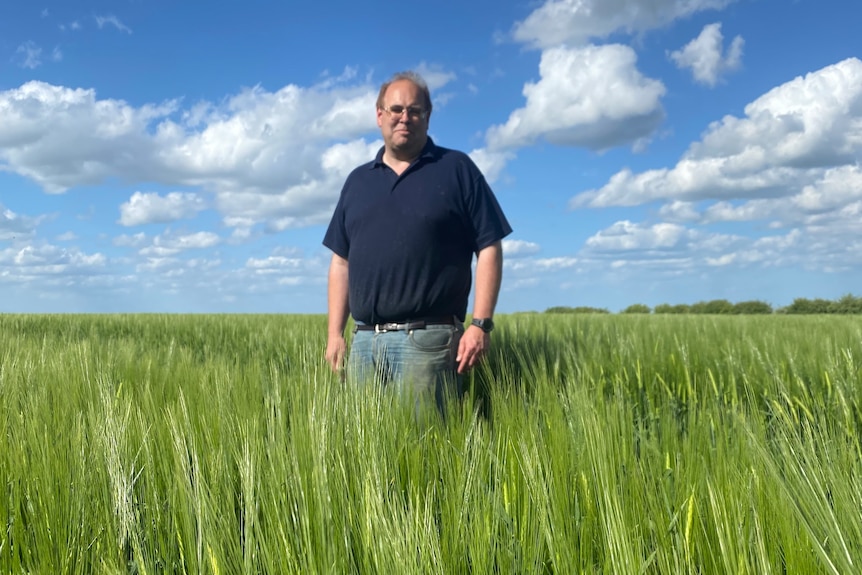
679 212
593 97
170 244
111 20
517 248
61 137
28 55
15 226
575 22
274 263
788 138
491 163
822 200
626 235
541 265
767 251
19 264
133 241
704 57
435 76
152 208
306 203
266 157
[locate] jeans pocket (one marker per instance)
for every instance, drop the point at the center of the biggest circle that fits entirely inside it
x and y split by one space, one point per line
431 339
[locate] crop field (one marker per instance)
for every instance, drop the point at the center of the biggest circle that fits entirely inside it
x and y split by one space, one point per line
614 444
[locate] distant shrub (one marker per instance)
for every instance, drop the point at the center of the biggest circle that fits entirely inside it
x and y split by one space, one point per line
752 307
718 306
578 309
677 309
637 308
848 304
802 305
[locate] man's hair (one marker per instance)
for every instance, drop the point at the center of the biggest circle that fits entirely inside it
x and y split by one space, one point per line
410 76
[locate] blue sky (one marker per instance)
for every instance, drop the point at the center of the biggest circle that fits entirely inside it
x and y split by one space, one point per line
185 157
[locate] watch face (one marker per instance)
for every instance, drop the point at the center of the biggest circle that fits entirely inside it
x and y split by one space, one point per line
485 325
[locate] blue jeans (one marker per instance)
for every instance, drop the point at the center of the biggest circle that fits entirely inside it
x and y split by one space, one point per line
419 364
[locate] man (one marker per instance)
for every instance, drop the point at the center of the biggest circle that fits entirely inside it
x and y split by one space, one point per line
403 236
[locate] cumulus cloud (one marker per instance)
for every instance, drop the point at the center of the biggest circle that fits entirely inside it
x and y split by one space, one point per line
170 243
626 235
274 264
19 264
152 208
435 76
768 251
705 56
575 22
791 163
592 96
827 198
788 139
539 265
284 268
278 158
61 137
679 212
307 202
517 248
675 249
133 241
15 226
491 163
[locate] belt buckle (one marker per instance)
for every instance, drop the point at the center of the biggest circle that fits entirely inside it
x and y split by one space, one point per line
380 328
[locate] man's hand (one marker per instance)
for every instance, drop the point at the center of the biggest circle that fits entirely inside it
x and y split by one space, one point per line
472 349
336 349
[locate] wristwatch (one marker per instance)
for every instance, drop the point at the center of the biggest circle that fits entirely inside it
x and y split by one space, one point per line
486 324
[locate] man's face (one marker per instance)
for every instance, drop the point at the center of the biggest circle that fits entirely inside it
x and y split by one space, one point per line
405 132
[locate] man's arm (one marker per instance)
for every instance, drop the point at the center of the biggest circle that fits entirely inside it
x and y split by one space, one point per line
489 274
339 308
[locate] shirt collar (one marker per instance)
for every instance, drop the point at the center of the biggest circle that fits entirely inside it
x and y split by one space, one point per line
427 152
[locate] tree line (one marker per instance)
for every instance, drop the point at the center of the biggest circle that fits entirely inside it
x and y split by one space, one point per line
847 304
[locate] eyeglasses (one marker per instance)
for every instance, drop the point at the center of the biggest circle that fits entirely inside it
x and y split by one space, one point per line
413 112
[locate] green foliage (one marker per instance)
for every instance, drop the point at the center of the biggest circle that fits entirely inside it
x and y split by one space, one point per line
847 304
807 306
637 308
577 309
752 307
716 306
603 444
666 308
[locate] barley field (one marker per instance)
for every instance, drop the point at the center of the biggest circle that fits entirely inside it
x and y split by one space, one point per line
613 444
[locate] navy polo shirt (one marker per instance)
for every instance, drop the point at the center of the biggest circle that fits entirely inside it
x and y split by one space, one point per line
409 240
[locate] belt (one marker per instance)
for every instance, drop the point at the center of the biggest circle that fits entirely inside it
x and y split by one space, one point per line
405 326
